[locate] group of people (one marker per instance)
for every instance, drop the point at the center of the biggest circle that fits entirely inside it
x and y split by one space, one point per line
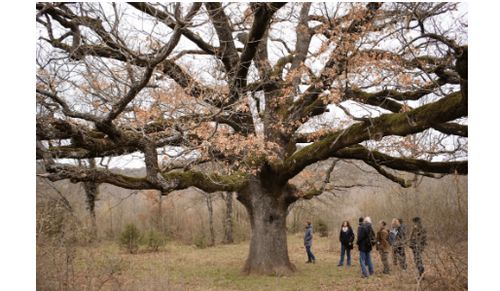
393 240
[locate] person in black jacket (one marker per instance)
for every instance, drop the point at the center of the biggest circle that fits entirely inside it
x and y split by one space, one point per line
360 225
364 243
346 238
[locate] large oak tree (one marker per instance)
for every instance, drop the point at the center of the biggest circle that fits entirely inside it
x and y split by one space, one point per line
240 97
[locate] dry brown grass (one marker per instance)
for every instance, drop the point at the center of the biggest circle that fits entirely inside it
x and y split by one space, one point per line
183 267
61 265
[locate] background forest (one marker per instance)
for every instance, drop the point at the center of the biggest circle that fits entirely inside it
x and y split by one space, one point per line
182 222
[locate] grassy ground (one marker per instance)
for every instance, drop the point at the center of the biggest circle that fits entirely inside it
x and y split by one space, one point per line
181 267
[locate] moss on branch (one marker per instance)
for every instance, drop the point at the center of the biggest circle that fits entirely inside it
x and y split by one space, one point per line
447 108
207 182
359 152
311 193
179 179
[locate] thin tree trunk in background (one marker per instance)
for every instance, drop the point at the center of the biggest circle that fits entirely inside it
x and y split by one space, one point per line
111 231
228 220
161 227
91 192
208 197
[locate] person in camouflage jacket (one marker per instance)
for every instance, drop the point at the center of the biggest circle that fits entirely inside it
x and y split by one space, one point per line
418 241
398 242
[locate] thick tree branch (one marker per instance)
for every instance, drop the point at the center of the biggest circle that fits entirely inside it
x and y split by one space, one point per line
453 128
262 17
220 21
104 148
445 109
176 180
416 166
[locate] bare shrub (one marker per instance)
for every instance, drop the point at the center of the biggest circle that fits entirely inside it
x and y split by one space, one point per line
58 234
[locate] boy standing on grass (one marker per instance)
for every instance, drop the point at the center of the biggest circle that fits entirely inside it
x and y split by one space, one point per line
308 237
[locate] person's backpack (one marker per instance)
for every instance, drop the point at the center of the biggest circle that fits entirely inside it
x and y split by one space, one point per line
392 237
373 237
423 237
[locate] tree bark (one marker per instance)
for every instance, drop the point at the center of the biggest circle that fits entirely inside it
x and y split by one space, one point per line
208 199
91 192
161 225
228 220
267 212
91 189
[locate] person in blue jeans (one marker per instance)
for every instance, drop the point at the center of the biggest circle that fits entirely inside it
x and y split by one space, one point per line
308 237
346 238
364 242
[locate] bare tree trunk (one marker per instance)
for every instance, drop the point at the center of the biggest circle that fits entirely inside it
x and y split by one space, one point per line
91 191
161 225
208 198
228 220
268 252
111 231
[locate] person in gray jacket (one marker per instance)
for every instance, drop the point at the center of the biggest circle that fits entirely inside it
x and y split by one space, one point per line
308 238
